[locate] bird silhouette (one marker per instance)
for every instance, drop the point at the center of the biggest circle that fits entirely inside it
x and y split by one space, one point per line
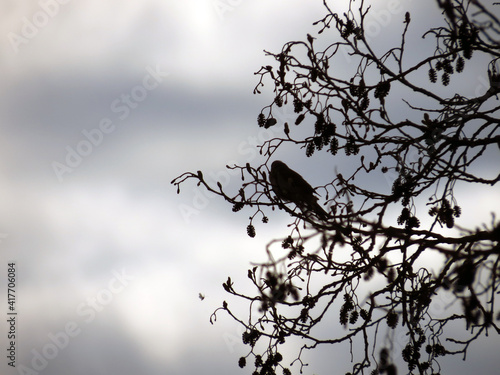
289 186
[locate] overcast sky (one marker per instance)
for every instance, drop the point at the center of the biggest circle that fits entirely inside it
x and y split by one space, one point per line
102 104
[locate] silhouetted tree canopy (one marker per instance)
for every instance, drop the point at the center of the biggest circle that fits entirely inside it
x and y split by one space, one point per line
402 113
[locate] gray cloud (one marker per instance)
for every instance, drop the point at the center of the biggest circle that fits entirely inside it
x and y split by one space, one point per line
116 208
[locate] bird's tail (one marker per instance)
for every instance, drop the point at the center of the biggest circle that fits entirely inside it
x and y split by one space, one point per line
315 209
320 212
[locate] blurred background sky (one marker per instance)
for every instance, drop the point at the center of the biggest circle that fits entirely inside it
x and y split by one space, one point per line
102 104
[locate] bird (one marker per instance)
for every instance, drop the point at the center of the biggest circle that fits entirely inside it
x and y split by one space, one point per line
289 186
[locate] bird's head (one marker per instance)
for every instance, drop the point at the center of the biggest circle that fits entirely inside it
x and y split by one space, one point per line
278 164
